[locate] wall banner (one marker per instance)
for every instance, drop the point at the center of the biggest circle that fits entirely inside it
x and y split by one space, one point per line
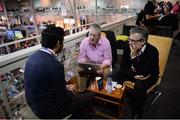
63 8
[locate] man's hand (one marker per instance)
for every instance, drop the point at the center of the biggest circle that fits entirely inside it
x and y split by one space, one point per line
134 52
142 77
101 69
72 88
129 84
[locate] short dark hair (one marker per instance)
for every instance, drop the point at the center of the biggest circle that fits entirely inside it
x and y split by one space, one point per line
51 35
140 30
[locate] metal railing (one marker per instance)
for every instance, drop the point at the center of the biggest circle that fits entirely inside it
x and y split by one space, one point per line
106 11
11 58
16 45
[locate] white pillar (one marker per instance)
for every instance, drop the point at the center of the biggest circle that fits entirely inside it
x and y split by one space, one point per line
75 16
35 22
96 20
5 13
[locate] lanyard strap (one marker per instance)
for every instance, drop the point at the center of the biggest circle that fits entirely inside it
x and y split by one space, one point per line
47 51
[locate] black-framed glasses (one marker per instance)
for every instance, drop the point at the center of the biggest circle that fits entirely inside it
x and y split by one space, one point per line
135 41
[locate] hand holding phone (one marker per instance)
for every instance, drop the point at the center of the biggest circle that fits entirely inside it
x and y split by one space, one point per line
142 77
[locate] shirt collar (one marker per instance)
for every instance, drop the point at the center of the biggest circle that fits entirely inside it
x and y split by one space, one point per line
143 48
48 50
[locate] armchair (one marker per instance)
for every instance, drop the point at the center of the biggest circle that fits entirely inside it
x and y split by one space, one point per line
163 44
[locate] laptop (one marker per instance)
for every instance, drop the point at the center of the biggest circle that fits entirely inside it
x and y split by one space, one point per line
89 67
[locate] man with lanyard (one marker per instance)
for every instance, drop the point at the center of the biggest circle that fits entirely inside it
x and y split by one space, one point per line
45 86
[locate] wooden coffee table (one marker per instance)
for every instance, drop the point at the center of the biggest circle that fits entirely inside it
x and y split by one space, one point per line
115 98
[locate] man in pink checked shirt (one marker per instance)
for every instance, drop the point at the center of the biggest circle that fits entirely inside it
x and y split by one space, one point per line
95 49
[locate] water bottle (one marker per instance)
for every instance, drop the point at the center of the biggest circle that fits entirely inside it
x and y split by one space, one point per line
109 84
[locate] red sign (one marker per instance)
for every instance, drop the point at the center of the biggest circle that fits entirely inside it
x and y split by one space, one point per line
1 7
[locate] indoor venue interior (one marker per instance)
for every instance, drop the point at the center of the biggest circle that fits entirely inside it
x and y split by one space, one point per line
23 29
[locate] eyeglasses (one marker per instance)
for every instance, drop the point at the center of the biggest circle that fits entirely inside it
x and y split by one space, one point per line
135 41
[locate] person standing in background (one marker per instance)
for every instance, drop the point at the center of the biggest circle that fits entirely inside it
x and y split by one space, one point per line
150 17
